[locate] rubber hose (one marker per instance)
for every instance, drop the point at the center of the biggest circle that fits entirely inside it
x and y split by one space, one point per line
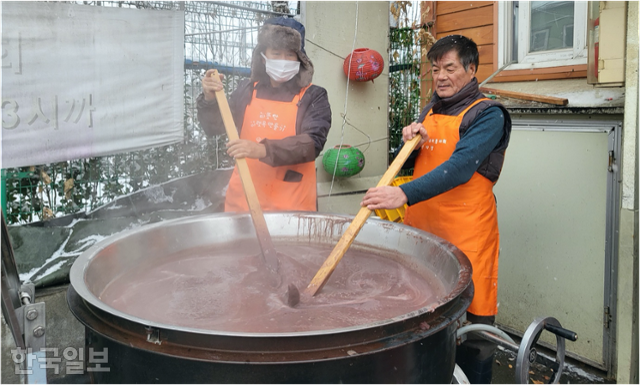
487 328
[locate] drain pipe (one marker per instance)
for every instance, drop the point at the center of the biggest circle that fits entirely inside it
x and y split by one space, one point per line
635 348
626 358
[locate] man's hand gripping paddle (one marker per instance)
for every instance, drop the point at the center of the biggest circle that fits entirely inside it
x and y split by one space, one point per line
347 238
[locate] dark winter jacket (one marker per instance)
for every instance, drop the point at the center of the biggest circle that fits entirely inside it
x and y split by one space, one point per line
491 166
312 123
314 113
484 136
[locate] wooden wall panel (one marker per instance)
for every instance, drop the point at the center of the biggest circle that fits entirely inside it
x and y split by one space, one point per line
475 17
475 20
445 7
484 71
480 35
486 53
479 21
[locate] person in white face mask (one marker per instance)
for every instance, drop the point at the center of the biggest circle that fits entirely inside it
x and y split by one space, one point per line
283 121
281 70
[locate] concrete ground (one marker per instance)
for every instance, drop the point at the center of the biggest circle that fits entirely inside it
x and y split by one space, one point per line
574 372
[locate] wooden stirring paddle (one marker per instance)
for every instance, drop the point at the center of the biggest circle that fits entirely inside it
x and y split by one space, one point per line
262 231
343 244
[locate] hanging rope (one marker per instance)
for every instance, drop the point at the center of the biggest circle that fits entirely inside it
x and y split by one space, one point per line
346 100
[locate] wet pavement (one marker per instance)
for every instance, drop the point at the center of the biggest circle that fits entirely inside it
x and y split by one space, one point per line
574 372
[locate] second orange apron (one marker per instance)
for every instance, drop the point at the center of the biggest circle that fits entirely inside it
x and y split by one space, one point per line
466 215
283 188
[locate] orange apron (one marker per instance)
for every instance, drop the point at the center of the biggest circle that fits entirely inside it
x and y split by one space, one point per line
466 215
268 119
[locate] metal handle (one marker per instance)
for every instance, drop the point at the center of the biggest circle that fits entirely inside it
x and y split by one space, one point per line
562 332
527 353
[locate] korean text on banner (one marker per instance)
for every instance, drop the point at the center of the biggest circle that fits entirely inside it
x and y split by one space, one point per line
81 81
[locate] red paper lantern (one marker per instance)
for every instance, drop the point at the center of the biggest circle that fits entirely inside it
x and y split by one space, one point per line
366 64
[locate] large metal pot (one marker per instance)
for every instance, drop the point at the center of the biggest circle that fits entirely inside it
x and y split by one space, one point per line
417 347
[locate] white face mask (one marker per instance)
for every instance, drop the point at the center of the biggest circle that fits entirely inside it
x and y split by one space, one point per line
281 70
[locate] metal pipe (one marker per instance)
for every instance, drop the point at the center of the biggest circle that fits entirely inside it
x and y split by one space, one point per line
635 346
499 341
494 74
229 5
227 30
3 196
25 298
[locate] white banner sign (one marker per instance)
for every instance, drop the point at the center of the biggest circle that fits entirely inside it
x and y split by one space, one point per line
81 81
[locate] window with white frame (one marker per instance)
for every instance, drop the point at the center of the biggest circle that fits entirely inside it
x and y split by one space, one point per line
541 34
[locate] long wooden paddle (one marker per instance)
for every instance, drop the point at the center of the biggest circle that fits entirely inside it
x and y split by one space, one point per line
343 244
262 231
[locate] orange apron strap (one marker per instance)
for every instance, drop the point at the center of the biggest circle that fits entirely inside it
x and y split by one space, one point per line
463 111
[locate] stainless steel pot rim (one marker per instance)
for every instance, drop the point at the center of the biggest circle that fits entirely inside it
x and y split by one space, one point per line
82 263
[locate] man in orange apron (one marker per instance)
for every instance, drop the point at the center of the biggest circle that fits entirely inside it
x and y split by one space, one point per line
283 121
459 159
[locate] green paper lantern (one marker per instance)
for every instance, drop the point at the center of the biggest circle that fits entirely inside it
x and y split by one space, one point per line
350 161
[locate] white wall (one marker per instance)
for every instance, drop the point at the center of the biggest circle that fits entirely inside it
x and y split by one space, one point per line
627 314
331 34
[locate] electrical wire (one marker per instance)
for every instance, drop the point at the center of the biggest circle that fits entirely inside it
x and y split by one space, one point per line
360 131
324 49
